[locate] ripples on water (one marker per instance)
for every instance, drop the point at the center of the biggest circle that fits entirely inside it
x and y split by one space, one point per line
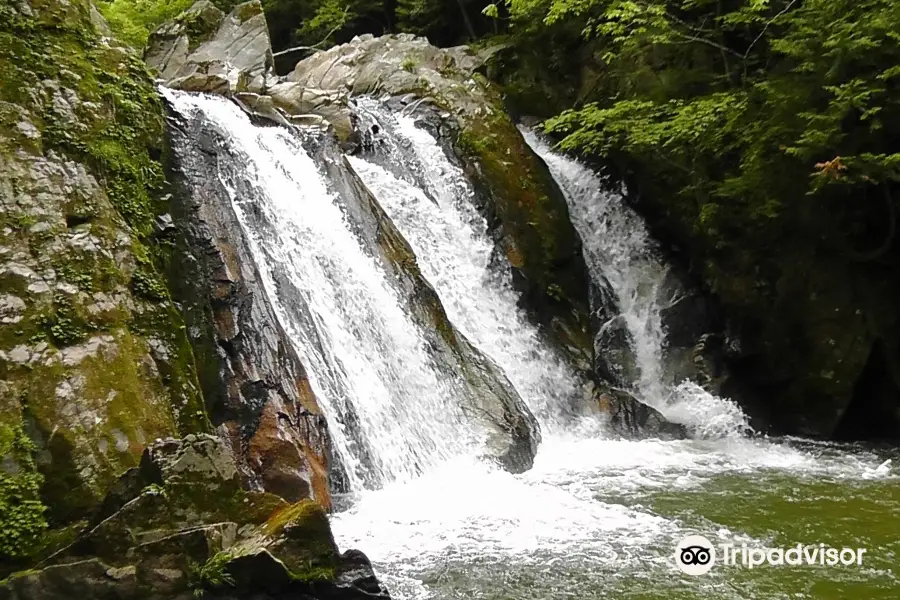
598 518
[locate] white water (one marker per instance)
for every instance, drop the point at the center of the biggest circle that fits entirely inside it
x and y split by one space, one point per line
454 250
367 362
577 520
442 524
565 515
618 247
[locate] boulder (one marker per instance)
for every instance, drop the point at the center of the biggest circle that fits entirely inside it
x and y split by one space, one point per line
180 484
204 50
629 417
85 580
298 99
195 532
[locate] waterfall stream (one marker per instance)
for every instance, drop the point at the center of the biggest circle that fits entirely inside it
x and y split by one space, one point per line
392 411
618 249
596 517
455 252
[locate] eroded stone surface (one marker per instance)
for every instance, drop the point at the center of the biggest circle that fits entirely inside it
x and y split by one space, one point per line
205 50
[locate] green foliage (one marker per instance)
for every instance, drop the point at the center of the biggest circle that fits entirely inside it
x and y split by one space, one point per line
424 17
408 64
212 574
21 510
743 107
133 20
321 23
344 17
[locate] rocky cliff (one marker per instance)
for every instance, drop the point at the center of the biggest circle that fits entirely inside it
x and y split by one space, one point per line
95 359
132 330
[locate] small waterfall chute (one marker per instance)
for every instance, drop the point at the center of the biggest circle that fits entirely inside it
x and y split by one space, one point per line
431 201
621 254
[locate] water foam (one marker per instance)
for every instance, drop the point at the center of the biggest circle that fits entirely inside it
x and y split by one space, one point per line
457 256
393 413
618 249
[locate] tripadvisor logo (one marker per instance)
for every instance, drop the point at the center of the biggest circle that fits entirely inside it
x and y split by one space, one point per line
696 555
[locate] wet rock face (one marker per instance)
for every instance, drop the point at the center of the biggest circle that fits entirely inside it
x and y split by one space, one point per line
204 50
253 380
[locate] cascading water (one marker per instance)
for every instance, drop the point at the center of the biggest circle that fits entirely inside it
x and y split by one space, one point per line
594 517
451 241
618 248
392 412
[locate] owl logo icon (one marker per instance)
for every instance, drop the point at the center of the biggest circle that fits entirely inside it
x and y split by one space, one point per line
695 555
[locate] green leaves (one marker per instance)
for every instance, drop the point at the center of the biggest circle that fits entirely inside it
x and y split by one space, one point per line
133 20
735 89
21 511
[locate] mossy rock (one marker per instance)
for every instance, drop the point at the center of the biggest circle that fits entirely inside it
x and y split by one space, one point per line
94 359
301 538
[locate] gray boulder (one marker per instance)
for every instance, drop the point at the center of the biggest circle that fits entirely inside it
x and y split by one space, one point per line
205 50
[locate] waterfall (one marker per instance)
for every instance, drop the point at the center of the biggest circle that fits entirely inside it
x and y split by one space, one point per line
437 520
619 250
430 200
393 411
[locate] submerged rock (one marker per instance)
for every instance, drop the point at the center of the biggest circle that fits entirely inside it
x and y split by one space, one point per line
631 418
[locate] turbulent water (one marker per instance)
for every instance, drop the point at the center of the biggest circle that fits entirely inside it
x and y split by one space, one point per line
392 412
595 517
618 248
456 255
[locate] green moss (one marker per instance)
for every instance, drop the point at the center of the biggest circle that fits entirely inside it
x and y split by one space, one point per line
212 574
409 64
304 512
304 541
200 25
245 11
535 220
118 135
